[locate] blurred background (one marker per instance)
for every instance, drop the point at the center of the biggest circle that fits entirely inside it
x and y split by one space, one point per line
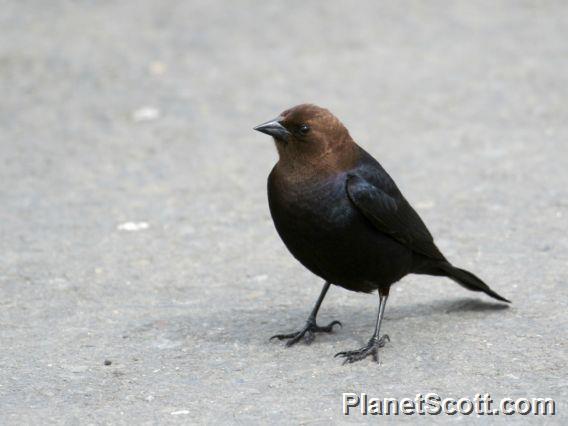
134 226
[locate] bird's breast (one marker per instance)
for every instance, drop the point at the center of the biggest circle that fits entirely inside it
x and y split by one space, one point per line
315 205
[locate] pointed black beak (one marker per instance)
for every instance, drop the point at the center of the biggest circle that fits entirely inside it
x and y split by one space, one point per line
274 129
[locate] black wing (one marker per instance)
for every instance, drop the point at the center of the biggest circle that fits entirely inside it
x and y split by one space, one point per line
392 215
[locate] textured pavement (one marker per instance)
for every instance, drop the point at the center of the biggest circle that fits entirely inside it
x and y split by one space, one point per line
134 225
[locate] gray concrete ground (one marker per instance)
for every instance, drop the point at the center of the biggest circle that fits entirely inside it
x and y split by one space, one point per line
141 111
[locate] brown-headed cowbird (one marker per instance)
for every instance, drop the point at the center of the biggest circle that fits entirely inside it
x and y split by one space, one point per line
343 217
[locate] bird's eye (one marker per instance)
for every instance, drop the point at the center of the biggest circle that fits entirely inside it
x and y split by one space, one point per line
304 129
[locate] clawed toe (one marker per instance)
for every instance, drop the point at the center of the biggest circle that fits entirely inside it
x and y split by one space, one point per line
359 354
372 349
284 336
308 333
328 328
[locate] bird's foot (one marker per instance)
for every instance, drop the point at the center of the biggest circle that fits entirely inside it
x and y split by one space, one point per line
372 348
307 333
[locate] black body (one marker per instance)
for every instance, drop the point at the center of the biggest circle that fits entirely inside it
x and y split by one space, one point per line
356 230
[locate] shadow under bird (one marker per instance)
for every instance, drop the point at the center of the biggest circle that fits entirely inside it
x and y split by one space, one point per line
343 217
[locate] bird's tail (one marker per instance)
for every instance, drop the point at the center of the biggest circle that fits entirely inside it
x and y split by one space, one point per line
468 280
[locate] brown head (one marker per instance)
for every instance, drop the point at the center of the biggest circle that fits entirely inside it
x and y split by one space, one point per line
311 140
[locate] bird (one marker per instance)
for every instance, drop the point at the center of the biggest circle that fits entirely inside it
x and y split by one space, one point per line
343 217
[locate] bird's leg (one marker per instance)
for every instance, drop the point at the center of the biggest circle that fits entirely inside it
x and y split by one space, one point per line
376 342
311 326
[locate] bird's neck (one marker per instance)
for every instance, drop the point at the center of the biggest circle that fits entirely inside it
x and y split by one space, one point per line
313 168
